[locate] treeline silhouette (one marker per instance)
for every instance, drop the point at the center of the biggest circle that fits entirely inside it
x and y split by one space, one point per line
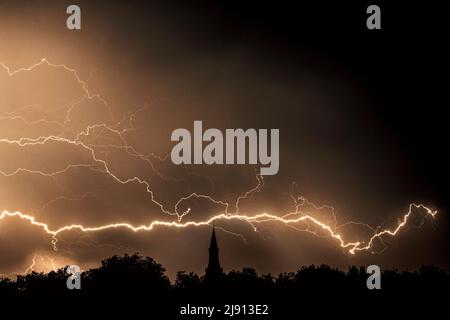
138 277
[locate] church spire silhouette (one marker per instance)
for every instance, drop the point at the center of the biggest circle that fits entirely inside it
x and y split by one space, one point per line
214 268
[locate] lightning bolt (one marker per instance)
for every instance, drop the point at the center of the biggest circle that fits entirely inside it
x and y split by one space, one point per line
49 261
352 247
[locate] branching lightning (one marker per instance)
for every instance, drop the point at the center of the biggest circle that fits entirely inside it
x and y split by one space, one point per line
258 218
298 219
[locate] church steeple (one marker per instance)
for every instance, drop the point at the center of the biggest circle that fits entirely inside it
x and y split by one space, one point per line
214 267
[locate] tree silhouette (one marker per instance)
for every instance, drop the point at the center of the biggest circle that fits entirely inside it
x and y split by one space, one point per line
129 275
138 277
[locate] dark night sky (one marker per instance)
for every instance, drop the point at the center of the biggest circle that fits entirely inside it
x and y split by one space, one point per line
361 116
